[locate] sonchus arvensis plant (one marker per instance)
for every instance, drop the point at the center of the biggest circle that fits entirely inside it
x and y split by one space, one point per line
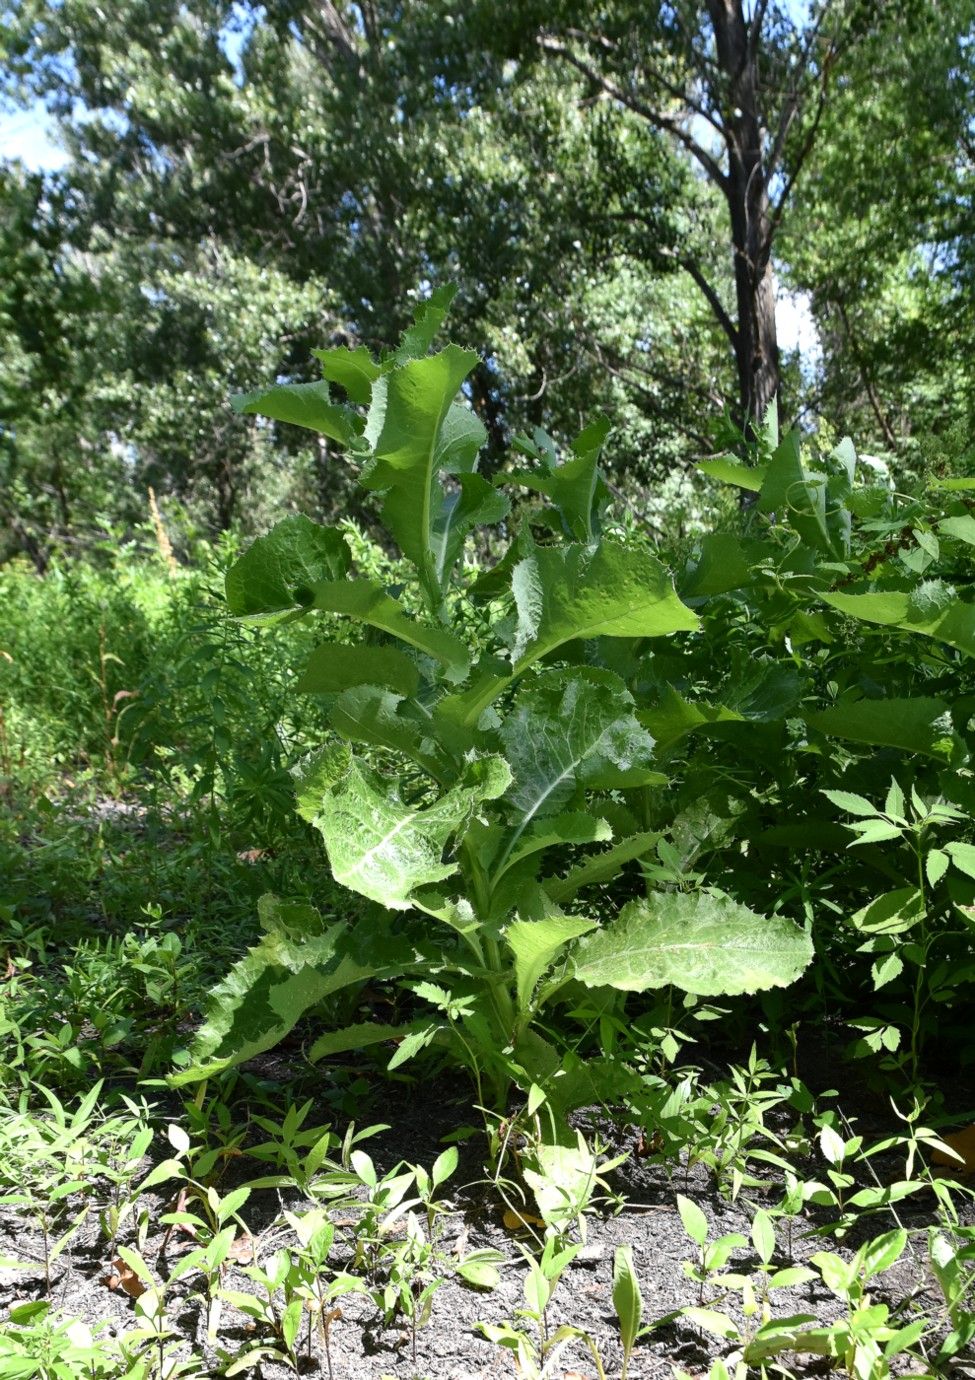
478 801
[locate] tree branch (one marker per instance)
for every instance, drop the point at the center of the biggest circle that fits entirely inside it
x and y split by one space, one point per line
694 271
639 107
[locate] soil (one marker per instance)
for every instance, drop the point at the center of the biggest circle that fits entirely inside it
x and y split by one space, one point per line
448 1347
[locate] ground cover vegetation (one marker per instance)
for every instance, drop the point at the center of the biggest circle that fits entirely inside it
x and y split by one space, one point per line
487 865
607 908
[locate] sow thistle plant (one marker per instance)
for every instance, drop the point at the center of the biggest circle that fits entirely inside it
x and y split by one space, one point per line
475 796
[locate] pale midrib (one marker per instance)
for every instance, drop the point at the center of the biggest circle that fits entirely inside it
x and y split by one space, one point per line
370 853
540 801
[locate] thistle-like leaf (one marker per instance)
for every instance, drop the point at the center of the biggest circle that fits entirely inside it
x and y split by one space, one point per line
701 943
377 844
609 590
275 577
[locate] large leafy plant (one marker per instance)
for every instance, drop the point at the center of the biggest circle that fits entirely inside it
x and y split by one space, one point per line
487 772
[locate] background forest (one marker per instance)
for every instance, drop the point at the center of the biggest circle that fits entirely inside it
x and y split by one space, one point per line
243 182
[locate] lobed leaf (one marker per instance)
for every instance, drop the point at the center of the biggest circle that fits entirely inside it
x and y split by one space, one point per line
702 943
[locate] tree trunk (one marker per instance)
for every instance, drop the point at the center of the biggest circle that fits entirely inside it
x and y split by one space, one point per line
747 194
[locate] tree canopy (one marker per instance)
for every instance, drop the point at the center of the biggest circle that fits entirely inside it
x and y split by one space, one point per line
622 196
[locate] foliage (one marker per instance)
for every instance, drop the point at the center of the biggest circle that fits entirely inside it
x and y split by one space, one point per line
510 764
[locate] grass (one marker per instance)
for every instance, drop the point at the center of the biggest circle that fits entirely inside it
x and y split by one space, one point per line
257 1223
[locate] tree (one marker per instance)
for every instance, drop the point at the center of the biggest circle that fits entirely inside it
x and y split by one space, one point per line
740 91
881 238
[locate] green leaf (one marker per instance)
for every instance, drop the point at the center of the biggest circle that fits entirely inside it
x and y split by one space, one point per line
919 724
961 528
354 370
355 1037
370 714
851 803
481 1274
963 856
885 970
874 831
932 610
701 943
672 717
796 496
367 602
298 961
882 1252
565 730
428 317
336 666
404 429
276 575
378 845
575 487
307 405
728 471
573 828
627 1299
763 1236
611 590
723 562
536 943
936 865
600 867
893 913
474 503
694 1221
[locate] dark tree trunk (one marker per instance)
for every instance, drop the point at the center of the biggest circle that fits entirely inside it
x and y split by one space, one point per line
747 194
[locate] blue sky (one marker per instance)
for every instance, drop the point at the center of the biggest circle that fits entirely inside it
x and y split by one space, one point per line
30 136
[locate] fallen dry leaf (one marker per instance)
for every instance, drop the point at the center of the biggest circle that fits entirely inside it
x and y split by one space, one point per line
123 1277
252 855
520 1221
963 1144
242 1249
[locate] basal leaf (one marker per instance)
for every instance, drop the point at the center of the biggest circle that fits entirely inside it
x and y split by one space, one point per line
610 590
337 666
367 602
299 960
275 576
705 944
